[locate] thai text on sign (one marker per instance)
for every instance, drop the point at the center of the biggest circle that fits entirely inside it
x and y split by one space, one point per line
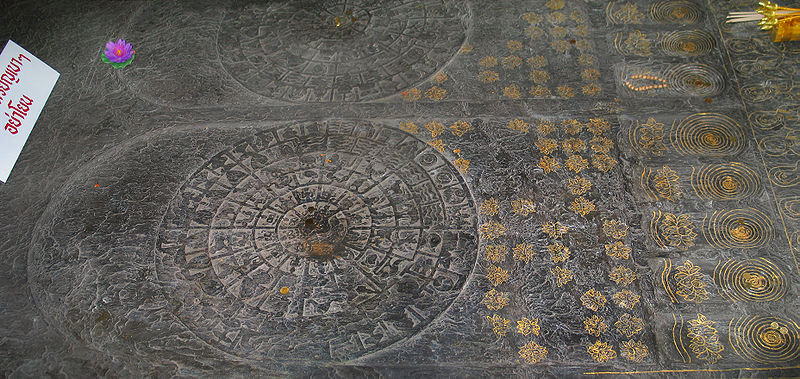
25 85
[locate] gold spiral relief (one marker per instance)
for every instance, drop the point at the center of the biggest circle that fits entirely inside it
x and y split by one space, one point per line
757 280
785 176
687 43
732 181
790 206
676 12
711 134
765 339
768 120
695 80
738 228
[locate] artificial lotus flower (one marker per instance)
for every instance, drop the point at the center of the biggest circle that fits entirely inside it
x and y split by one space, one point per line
118 54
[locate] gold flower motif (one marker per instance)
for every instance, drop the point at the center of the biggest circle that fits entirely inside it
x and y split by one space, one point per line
435 128
556 17
497 275
554 5
591 89
537 61
532 18
579 185
409 127
637 43
580 30
563 275
560 46
626 299
651 137
539 91
440 78
549 164
558 252
460 127
597 125
590 74
573 145
462 165
436 93
691 286
534 32
601 145
677 230
615 229
603 162
558 32
618 250
704 339
571 126
629 13
576 163
492 230
622 275
512 91
601 351
512 61
513 45
523 252
490 207
577 16
595 325
545 127
593 300
628 325
546 145
522 207
666 181
532 352
583 44
500 325
554 229
495 253
488 76
635 351
495 300
518 125
488 62
586 60
467 48
582 206
539 76
528 326
438 145
413 94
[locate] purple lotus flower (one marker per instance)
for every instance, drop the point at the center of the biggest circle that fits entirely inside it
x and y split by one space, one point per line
119 51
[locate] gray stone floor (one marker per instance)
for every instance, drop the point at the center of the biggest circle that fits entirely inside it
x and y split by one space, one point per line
404 188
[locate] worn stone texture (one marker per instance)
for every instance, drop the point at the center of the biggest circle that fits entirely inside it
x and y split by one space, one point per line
404 188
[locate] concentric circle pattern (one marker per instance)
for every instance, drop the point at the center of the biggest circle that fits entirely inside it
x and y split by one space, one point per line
739 228
751 280
324 240
695 80
687 43
711 134
730 181
331 51
765 339
676 11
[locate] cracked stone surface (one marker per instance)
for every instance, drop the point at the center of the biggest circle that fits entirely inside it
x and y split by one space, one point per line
405 188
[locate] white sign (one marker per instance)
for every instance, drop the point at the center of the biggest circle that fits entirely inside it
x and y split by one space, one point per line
25 85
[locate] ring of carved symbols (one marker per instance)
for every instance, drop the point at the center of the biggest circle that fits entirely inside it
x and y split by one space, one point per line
326 240
339 51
